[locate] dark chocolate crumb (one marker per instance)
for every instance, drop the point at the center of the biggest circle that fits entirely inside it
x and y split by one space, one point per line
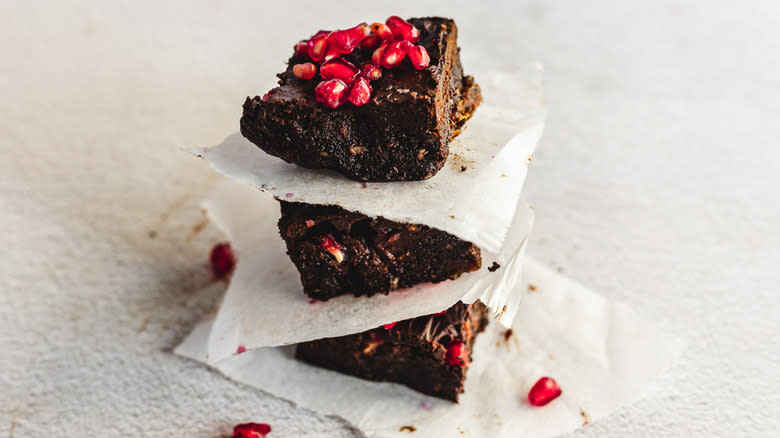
463 168
494 267
152 234
407 429
531 287
585 417
508 334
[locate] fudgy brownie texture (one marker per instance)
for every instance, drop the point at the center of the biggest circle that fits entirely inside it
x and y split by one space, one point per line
401 134
340 252
429 354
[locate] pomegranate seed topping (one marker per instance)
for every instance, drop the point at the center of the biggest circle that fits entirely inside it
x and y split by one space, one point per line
382 31
267 96
317 45
329 243
251 430
389 326
339 69
371 72
395 53
360 93
376 57
240 349
419 57
345 41
402 29
370 42
222 260
457 354
307 70
309 223
544 391
330 53
332 93
443 312
302 49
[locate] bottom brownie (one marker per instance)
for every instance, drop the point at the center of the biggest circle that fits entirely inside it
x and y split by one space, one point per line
429 354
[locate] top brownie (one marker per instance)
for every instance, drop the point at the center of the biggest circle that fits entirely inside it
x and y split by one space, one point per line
397 129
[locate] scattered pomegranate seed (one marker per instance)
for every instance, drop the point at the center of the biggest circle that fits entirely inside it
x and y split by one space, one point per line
267 95
402 29
329 244
332 93
393 237
419 57
302 49
240 349
395 53
309 223
544 391
370 42
389 326
371 72
251 430
443 312
346 41
382 31
360 93
317 45
339 69
222 260
457 354
376 57
313 300
307 70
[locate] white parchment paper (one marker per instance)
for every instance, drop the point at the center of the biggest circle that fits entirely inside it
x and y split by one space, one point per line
603 355
476 204
265 304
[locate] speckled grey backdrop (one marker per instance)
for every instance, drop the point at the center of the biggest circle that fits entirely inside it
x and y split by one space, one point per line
656 183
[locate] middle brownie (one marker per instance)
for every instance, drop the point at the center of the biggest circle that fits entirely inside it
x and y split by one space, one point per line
340 252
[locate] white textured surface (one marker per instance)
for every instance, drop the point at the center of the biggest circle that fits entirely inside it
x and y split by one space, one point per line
655 183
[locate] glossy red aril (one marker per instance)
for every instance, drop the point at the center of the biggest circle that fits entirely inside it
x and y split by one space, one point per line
544 391
222 260
371 72
389 326
251 430
329 244
317 45
442 313
457 354
395 53
402 29
332 93
307 70
370 42
346 41
302 49
360 93
376 57
382 31
419 57
339 69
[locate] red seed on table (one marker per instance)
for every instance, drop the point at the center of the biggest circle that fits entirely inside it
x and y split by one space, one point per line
251 430
222 260
544 391
240 349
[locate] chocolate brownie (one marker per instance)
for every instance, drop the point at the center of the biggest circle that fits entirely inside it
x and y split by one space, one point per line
401 134
341 252
429 354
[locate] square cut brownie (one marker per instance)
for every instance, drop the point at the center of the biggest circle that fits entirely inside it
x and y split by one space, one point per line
429 354
340 252
378 107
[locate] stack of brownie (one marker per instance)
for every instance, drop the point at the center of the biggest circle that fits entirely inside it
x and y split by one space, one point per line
377 103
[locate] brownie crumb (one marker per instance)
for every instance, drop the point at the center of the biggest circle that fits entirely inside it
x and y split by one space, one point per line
508 334
463 168
531 287
585 417
407 429
494 267
152 234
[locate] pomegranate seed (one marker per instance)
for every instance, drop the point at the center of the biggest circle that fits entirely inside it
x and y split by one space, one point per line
329 243
309 223
443 312
457 354
402 29
251 430
419 57
222 260
267 95
317 45
395 53
389 326
370 42
376 57
332 93
330 53
307 70
371 71
544 391
302 49
240 349
393 237
382 31
360 93
339 69
345 41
